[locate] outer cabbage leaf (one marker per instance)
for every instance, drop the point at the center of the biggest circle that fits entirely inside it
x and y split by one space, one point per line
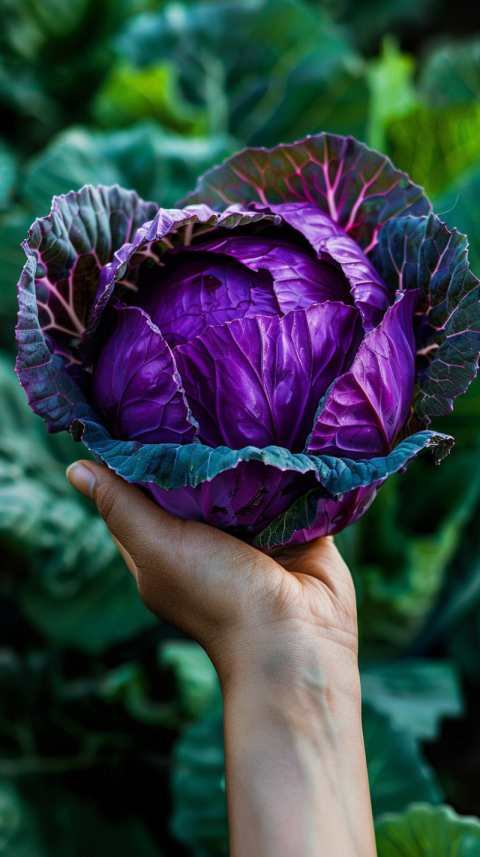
75 256
65 254
170 466
241 500
318 512
357 187
422 253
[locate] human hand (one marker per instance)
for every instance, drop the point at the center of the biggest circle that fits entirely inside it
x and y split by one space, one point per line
230 597
281 631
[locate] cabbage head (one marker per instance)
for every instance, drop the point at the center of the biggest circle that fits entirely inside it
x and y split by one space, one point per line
264 356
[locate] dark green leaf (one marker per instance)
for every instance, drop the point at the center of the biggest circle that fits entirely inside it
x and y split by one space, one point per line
53 56
13 230
107 610
199 817
131 94
27 25
415 694
18 832
264 71
72 826
158 165
392 92
195 675
451 73
14 415
128 685
422 253
459 206
397 772
401 549
455 622
80 592
169 466
8 174
434 145
70 161
427 831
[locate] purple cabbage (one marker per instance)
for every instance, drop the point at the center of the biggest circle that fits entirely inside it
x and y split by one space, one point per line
263 357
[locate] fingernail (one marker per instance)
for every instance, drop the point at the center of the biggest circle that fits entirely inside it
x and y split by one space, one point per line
82 478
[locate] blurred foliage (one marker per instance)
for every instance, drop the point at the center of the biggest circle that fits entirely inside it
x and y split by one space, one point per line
416 694
29 828
426 832
73 563
263 70
158 163
110 722
53 57
368 20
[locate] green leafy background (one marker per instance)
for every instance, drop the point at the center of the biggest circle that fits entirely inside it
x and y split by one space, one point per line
111 737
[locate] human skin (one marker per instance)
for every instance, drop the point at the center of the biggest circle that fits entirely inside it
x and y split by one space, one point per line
281 631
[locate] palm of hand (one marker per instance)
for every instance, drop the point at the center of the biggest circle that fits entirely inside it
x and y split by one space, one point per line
218 587
222 592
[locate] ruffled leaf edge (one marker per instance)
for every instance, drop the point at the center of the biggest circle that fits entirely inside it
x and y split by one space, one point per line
172 466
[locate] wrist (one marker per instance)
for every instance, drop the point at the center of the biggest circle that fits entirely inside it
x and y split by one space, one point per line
295 760
291 659
306 682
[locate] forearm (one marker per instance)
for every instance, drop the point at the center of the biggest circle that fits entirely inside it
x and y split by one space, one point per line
281 632
295 762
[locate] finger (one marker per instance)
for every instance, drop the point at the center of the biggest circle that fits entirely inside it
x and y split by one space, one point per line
319 558
85 477
152 539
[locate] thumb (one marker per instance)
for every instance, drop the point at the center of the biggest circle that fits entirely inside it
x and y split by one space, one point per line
129 515
148 538
116 500
171 559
